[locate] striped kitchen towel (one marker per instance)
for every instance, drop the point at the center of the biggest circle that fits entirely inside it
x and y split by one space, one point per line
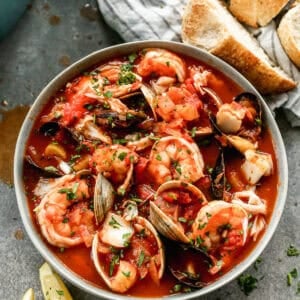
161 19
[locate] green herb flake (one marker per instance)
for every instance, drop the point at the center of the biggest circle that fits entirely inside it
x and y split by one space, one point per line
126 78
108 94
122 156
291 275
126 67
257 262
132 57
158 157
201 226
292 251
126 274
114 261
74 158
247 283
193 131
51 169
141 258
113 223
60 293
182 219
176 288
258 121
65 220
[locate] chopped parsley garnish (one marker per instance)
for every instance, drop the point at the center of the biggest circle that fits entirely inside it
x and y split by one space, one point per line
291 275
201 226
193 131
51 169
114 261
258 122
65 220
141 258
182 219
60 293
108 94
89 106
74 158
130 116
168 63
122 156
247 283
126 67
126 78
119 141
113 223
257 262
158 157
70 192
121 191
292 251
125 237
176 288
132 57
126 274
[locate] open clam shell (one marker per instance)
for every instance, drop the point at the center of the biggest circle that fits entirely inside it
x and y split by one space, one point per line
103 197
114 230
164 223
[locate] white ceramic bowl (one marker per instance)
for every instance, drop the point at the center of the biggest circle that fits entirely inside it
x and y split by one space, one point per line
101 56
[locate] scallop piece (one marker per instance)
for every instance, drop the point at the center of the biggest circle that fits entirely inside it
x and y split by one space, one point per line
103 198
256 165
116 231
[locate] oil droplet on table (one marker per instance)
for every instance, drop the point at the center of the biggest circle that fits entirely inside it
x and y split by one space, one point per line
89 12
10 124
64 60
54 20
19 234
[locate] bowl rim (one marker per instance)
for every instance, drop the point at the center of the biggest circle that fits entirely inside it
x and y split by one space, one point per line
103 55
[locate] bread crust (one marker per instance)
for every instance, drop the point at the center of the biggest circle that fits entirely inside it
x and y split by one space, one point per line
265 78
261 74
256 12
286 36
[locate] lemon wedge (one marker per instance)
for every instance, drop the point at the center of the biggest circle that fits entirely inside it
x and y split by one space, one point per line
52 285
29 295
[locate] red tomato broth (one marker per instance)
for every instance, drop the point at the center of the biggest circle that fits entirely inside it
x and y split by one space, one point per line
78 258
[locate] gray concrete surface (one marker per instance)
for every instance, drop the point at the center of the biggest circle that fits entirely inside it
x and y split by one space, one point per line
29 58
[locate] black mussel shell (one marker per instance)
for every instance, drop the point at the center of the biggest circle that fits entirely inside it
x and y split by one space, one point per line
112 119
185 257
246 96
49 128
218 179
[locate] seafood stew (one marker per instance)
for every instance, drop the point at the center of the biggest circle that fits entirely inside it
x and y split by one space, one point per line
144 157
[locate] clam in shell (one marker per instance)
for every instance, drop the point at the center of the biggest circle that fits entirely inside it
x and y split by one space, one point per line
168 226
117 234
103 198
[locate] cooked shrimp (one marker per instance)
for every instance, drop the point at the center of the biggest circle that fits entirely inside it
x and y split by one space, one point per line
116 164
163 63
175 158
178 102
63 213
221 226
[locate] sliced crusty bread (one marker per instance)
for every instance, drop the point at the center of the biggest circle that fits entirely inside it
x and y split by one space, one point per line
207 24
256 12
289 34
